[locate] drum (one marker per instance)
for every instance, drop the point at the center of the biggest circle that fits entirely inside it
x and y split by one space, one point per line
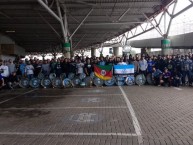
35 83
130 80
149 79
46 82
67 83
71 76
110 82
120 81
24 83
52 76
140 79
98 82
57 83
82 76
76 81
62 76
88 81
92 75
40 76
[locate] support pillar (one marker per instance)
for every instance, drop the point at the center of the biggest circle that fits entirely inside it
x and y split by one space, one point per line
67 55
116 51
93 52
166 49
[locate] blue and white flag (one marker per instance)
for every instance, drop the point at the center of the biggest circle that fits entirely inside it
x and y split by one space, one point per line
123 69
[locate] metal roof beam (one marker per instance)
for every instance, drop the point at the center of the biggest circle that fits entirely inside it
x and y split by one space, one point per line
81 23
153 24
55 31
113 23
49 10
124 14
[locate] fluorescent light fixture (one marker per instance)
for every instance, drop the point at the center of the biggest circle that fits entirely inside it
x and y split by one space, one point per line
10 31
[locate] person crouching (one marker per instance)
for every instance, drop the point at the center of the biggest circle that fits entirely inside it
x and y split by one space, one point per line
156 76
166 77
13 81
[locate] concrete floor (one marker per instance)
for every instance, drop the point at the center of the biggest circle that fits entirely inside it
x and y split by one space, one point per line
97 116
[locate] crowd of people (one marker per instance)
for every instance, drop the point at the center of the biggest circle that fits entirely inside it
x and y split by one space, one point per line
173 70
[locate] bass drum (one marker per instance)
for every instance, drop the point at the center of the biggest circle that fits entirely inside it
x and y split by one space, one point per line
140 79
110 82
24 83
149 79
88 81
62 76
130 80
71 76
57 83
40 76
98 82
52 76
67 83
82 76
92 75
76 81
35 83
120 81
46 82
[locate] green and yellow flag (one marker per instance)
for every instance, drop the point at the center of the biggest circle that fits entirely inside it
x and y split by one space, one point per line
103 72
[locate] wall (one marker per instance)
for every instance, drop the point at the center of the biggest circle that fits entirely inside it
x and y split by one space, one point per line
17 50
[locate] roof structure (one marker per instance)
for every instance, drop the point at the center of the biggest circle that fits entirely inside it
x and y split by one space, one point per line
96 21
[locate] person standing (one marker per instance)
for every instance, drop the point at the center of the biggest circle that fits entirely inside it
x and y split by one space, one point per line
29 70
88 68
58 68
143 66
5 71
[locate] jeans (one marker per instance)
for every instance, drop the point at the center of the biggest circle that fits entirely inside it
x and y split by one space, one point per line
184 74
30 76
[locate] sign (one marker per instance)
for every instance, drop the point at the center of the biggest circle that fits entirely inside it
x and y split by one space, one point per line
166 43
123 69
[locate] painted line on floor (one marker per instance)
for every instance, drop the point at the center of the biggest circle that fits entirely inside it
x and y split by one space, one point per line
67 133
17 96
179 89
63 108
134 118
84 95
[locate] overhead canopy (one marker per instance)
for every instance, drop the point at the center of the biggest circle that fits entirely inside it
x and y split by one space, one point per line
32 27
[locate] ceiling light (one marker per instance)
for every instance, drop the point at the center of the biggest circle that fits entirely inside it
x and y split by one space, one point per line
10 31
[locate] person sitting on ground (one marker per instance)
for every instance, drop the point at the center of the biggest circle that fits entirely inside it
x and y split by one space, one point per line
156 76
166 77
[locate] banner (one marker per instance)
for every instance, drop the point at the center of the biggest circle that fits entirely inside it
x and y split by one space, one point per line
123 69
103 72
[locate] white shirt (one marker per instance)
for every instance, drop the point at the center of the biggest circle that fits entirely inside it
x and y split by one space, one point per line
80 68
5 70
29 70
143 65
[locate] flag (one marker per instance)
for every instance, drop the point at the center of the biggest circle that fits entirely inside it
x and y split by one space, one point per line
123 69
103 72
